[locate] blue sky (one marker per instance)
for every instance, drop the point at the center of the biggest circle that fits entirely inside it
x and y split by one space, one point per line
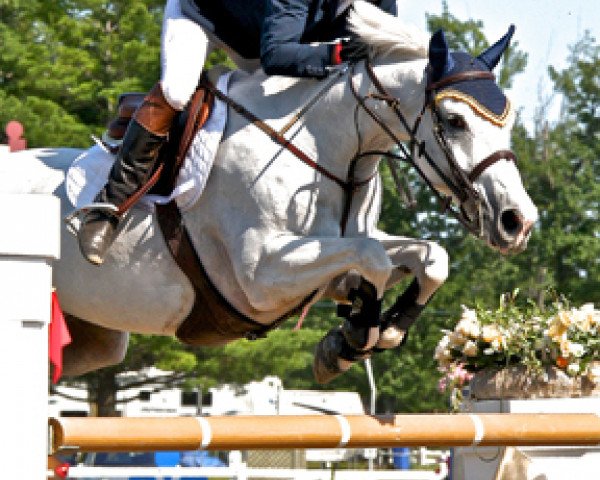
545 29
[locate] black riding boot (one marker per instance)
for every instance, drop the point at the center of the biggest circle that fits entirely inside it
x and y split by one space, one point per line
133 167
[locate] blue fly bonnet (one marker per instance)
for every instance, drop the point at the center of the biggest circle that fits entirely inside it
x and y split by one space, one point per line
482 94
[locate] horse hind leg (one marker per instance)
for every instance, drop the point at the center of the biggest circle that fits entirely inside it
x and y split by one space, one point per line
92 347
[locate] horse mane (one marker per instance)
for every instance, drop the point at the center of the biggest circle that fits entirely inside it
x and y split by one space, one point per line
385 33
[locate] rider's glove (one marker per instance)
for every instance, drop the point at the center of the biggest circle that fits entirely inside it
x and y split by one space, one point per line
350 50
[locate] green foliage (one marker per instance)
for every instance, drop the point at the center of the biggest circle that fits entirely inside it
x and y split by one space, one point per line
578 83
67 62
560 167
284 353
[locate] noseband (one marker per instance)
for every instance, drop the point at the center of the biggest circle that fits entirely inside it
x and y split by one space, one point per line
469 212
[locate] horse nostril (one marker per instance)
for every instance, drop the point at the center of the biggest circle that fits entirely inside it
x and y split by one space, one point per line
511 222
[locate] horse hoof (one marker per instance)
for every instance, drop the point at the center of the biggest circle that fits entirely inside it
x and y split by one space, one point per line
327 364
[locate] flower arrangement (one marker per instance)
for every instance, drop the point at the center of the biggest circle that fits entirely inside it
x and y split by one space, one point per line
556 336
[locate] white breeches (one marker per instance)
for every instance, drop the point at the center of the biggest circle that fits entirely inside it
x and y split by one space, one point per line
185 45
184 48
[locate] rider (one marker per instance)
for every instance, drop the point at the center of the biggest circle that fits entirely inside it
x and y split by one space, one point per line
301 38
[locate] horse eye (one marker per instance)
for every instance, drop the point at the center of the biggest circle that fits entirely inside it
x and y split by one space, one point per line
457 122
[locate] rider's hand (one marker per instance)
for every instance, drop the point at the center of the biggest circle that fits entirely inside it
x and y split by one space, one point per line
353 50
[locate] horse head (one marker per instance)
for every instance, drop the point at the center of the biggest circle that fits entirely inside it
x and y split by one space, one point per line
457 123
470 124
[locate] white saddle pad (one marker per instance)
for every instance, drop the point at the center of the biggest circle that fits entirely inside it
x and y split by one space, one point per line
89 172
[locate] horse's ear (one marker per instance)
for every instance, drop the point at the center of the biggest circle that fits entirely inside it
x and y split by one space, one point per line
492 55
440 59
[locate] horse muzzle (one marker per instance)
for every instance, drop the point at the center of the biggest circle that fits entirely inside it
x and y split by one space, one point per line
511 230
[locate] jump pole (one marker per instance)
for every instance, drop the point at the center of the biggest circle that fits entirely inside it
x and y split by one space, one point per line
29 242
323 431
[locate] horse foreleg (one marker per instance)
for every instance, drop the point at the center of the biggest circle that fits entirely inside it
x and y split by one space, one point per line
289 268
428 262
92 347
354 339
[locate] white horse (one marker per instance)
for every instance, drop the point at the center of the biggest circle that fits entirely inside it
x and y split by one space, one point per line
267 227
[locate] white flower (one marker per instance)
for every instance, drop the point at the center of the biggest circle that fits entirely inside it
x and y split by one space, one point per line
496 344
490 332
456 340
470 349
568 349
444 342
573 369
442 355
587 308
577 349
468 314
586 317
594 372
468 327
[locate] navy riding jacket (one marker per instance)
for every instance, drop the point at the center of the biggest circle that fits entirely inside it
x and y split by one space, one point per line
279 32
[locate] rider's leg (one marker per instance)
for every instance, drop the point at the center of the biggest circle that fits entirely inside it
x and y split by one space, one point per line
148 130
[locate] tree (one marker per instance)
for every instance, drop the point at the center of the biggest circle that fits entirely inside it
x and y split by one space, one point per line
64 64
181 366
568 190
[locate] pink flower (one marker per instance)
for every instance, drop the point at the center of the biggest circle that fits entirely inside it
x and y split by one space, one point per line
442 384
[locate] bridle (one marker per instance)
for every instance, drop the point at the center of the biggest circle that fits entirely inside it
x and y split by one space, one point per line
469 211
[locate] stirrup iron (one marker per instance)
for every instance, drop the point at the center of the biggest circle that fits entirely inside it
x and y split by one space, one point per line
73 219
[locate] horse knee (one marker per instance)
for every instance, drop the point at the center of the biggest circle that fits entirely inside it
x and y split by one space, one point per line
374 263
435 266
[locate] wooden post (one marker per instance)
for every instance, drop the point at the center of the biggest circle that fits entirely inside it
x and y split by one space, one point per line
323 431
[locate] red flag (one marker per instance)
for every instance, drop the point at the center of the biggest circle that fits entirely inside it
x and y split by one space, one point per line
58 336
